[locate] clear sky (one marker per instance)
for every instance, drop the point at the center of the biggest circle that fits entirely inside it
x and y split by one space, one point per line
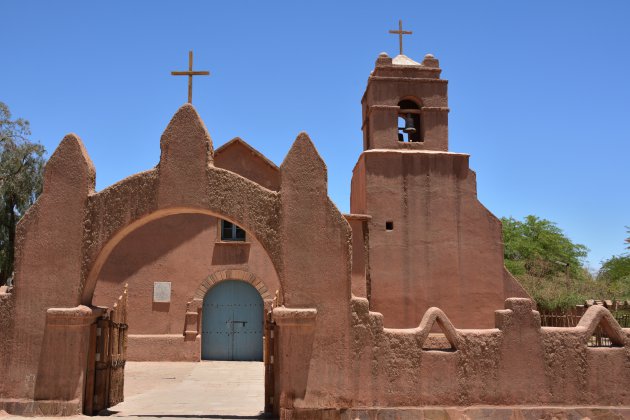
538 90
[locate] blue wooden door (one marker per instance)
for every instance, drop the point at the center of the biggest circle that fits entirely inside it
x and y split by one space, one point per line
232 324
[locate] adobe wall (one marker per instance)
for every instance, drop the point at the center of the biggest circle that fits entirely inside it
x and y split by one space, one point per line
7 308
184 249
184 181
47 276
314 317
360 254
445 248
238 157
518 364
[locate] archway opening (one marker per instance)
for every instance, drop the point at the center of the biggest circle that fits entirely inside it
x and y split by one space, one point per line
409 122
232 322
188 250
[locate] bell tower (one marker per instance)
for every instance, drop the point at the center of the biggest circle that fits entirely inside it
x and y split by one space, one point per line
428 240
405 105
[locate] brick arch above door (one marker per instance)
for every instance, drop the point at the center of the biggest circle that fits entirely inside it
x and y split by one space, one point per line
223 275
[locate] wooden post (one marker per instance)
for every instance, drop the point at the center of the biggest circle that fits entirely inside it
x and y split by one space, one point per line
88 403
102 366
268 359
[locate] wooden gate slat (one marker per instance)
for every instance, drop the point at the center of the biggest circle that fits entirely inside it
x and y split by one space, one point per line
107 359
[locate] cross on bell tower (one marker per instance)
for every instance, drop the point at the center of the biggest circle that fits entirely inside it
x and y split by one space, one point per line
190 73
400 33
405 105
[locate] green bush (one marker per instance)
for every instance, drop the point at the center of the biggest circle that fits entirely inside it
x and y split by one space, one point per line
560 293
551 267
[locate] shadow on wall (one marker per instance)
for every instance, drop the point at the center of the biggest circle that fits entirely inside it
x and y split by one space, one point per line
230 253
161 306
173 232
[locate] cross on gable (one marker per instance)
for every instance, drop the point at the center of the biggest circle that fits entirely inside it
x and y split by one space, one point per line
190 73
400 33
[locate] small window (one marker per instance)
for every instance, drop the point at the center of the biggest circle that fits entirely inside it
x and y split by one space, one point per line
389 225
231 232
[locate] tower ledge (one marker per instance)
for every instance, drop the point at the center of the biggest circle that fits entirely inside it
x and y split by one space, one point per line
403 66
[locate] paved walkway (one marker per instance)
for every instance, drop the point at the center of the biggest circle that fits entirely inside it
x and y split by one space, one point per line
215 390
179 390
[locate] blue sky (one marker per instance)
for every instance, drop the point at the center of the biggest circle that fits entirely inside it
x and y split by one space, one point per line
538 90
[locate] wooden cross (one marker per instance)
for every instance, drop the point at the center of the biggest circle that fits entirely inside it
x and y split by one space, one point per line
400 33
190 73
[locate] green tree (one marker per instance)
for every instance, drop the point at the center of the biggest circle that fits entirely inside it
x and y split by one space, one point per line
547 263
21 178
539 248
615 273
615 269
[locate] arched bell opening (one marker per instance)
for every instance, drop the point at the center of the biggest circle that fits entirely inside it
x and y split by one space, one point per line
409 122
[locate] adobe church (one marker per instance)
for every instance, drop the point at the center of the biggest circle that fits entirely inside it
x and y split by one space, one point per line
420 237
402 305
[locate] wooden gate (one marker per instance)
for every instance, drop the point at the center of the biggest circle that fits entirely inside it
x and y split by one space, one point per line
105 376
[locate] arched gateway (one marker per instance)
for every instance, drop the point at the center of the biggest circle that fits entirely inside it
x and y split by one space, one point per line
67 237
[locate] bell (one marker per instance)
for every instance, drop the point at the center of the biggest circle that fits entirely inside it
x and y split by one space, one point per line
409 127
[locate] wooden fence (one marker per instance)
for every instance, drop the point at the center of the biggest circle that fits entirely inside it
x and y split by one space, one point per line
105 377
572 318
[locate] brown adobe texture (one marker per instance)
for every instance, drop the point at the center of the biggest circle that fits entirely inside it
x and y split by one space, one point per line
516 364
186 250
239 157
48 241
445 248
183 182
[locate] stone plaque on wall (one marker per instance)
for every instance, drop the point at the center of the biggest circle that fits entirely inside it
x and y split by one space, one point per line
162 291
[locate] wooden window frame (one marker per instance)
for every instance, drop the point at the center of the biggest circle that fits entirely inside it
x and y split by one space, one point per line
234 230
